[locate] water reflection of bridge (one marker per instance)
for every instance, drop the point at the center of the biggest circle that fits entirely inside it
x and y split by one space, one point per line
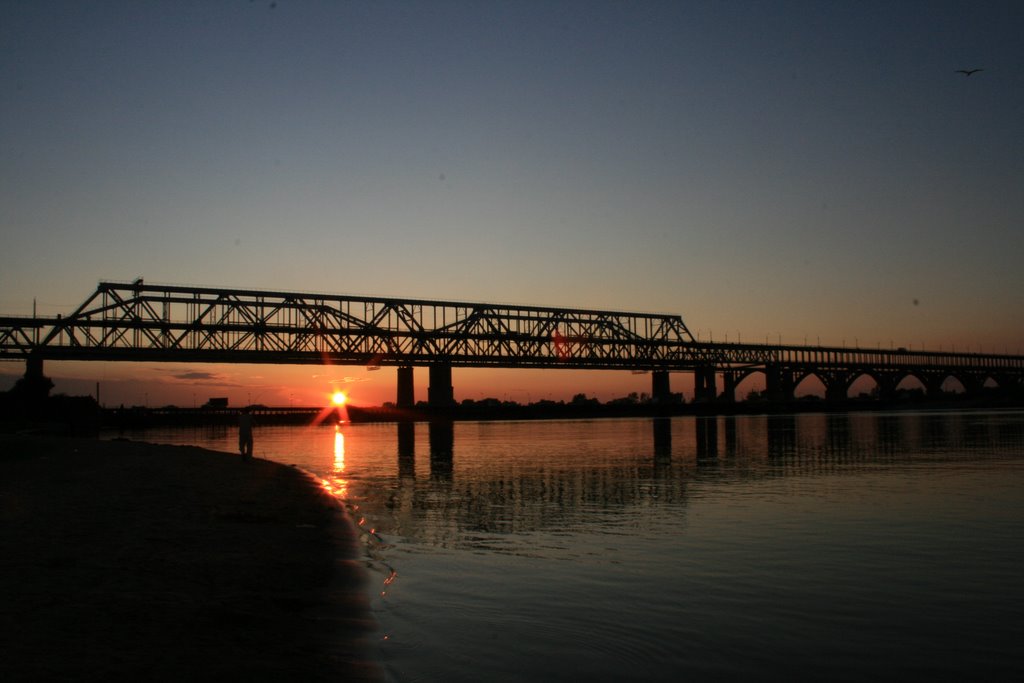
681 455
143 322
822 438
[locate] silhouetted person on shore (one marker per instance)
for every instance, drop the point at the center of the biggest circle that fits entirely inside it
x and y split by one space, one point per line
245 434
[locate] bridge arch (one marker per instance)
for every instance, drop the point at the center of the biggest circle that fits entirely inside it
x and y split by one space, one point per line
974 382
992 380
834 383
868 382
740 383
957 384
937 383
811 383
910 382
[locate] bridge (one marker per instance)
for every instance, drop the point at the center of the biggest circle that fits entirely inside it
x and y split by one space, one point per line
136 321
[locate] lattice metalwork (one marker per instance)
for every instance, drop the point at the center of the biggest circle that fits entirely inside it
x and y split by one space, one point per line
137 321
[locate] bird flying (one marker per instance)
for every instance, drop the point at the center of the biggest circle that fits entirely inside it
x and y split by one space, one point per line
968 72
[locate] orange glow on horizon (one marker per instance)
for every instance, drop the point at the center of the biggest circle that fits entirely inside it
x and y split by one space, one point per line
339 398
277 386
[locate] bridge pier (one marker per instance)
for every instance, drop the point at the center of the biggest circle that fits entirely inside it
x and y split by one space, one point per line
661 387
34 387
406 395
33 367
440 393
729 392
837 384
778 382
835 392
887 383
704 389
1009 384
974 384
932 383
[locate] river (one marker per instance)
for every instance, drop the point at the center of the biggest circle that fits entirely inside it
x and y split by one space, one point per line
860 546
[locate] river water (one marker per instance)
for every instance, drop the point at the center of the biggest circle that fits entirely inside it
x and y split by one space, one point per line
850 547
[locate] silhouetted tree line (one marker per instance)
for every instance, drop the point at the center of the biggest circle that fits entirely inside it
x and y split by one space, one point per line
29 406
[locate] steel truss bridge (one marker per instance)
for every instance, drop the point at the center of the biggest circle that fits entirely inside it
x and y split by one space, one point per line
135 321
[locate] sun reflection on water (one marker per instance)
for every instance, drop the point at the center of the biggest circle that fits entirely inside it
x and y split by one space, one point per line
340 487
339 450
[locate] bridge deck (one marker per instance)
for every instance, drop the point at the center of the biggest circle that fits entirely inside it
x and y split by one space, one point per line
143 322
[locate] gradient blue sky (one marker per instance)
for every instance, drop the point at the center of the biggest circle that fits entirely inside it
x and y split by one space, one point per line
803 170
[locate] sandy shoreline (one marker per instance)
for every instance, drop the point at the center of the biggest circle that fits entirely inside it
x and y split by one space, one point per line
127 560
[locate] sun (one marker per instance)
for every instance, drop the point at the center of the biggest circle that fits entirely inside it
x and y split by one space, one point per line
339 398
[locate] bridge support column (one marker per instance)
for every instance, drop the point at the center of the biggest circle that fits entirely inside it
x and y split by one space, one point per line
661 388
704 389
33 368
1009 384
887 383
406 395
778 382
974 384
440 393
729 392
34 387
933 383
837 385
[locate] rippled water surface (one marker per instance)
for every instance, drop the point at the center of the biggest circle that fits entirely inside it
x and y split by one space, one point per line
830 547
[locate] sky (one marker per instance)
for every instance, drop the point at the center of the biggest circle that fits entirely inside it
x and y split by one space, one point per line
799 171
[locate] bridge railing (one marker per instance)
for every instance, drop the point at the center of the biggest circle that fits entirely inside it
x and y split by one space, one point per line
738 355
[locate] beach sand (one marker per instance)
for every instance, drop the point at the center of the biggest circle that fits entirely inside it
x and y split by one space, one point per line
122 560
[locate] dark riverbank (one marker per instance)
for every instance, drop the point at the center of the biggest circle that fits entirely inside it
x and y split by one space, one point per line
130 561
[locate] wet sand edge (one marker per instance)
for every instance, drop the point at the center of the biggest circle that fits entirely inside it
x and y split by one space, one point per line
122 558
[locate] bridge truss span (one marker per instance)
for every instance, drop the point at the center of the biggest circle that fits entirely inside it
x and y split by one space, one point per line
137 321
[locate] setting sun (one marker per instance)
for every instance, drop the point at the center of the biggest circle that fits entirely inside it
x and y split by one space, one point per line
339 398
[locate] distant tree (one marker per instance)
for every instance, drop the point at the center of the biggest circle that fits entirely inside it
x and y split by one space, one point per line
631 399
